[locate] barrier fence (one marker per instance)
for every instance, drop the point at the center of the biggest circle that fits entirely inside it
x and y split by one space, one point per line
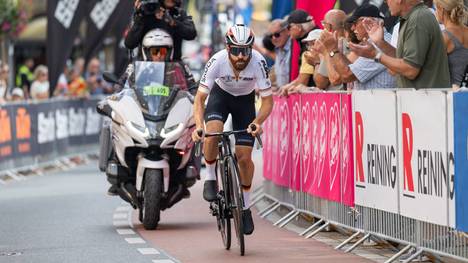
390 164
31 133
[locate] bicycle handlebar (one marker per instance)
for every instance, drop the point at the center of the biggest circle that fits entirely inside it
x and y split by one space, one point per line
224 134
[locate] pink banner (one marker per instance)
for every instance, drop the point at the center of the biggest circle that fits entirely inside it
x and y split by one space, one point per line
309 145
294 105
267 147
347 168
322 145
282 165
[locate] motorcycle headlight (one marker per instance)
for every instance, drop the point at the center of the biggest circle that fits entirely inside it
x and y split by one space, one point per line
138 127
169 131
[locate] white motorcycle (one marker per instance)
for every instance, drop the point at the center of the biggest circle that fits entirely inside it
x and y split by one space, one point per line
152 122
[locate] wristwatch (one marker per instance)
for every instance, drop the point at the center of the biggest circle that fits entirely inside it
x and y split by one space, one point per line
333 53
378 56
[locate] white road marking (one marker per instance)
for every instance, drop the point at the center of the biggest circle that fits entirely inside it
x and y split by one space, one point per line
122 209
120 216
134 240
148 251
125 231
120 223
163 261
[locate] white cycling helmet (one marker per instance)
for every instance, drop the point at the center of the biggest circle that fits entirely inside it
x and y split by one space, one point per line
157 38
240 35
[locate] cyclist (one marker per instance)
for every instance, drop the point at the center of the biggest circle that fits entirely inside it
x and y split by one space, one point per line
230 78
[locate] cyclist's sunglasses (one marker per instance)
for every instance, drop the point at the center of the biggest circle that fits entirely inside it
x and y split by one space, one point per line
236 51
158 51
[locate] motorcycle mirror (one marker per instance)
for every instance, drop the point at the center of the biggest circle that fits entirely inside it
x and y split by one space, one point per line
111 78
105 110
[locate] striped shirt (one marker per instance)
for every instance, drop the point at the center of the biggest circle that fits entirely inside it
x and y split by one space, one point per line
371 74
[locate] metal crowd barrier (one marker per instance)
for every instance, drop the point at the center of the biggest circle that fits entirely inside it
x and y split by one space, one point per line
364 222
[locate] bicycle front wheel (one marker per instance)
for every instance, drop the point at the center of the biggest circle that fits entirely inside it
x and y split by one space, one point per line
237 202
223 217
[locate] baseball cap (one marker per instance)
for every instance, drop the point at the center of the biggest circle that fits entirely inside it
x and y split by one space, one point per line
17 92
313 35
365 10
297 16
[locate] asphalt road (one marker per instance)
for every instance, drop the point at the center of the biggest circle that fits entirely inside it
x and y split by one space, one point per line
67 217
64 217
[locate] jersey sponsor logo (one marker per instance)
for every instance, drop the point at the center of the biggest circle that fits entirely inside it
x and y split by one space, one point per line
207 68
227 78
264 68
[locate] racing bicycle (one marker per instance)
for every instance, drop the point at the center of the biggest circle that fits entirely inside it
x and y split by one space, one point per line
229 202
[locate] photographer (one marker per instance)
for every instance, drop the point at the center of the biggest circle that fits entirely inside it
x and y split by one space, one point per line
164 14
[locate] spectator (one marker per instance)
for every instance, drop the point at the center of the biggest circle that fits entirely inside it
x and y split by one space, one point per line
25 77
17 94
267 49
4 70
61 90
79 66
95 85
452 13
326 77
282 44
77 87
40 86
300 23
94 78
396 28
419 35
311 58
364 72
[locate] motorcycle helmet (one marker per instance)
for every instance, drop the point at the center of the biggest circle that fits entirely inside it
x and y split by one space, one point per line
157 43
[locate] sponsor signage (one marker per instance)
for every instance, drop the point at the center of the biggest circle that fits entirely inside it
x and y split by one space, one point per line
426 175
375 152
48 127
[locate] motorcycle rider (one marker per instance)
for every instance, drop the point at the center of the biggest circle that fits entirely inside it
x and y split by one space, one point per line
157 46
229 79
168 16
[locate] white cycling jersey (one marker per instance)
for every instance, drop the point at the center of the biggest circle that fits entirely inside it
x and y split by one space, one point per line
219 70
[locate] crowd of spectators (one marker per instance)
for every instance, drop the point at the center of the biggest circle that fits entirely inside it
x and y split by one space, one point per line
32 81
428 48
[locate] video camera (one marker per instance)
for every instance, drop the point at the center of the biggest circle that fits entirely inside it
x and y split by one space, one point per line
149 7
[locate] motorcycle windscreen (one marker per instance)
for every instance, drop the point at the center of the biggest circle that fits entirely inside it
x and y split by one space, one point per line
156 85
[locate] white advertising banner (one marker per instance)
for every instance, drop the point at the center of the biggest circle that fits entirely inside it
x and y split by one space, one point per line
425 171
375 149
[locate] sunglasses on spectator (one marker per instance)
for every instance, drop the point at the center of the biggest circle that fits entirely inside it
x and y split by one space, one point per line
277 34
158 51
236 51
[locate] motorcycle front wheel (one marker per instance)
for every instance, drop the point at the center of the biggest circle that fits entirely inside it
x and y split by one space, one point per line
152 193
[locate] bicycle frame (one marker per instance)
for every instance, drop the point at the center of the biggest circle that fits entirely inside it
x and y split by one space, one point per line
226 159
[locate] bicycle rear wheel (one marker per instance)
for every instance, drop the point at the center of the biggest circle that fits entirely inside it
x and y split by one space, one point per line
223 217
236 201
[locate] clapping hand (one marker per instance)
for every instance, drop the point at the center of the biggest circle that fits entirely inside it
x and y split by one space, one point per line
365 49
329 40
374 29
